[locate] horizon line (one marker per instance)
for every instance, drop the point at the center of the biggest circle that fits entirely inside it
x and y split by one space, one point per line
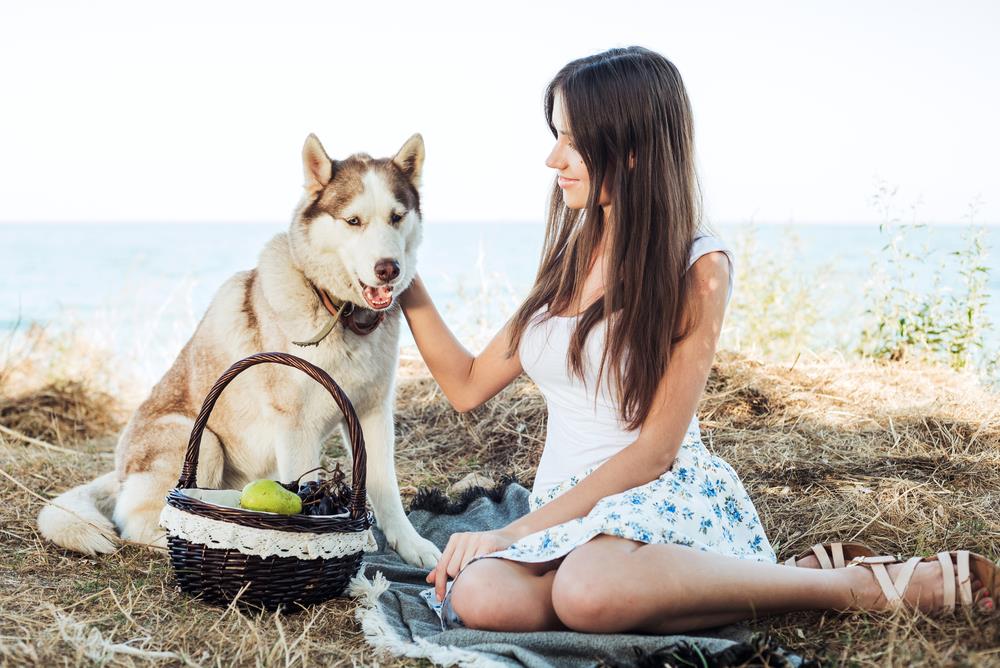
487 222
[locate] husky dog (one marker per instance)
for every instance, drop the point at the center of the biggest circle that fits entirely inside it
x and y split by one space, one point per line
351 245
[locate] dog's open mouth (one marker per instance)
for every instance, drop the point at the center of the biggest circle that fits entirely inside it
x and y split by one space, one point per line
377 297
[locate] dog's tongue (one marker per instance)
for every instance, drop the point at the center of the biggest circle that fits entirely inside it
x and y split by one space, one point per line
378 296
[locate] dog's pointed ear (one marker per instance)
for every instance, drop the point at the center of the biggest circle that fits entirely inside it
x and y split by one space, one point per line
410 158
316 165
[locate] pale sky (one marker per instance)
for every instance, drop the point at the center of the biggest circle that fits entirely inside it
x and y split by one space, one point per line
197 111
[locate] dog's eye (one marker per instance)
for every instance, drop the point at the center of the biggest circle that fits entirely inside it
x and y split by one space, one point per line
353 220
395 217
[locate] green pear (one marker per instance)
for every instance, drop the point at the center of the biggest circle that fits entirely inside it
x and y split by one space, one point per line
271 497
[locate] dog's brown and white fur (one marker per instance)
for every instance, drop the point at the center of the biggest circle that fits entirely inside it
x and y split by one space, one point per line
271 420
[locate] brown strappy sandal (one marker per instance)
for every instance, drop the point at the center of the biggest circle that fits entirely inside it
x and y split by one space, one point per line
984 569
833 555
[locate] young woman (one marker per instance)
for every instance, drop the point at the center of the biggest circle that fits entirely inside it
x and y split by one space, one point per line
633 525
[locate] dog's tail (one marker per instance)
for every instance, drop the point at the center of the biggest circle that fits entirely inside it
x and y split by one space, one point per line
80 519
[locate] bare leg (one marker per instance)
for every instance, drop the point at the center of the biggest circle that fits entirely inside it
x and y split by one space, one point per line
521 599
506 595
671 588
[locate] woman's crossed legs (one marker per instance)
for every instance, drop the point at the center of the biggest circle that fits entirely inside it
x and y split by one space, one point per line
507 595
612 584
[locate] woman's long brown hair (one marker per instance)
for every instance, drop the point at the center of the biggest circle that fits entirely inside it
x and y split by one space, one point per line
620 103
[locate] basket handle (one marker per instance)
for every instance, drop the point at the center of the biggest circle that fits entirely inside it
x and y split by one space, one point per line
188 478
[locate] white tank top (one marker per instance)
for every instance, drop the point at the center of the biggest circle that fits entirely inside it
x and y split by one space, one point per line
581 433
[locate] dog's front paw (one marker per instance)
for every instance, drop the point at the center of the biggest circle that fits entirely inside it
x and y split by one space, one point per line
415 550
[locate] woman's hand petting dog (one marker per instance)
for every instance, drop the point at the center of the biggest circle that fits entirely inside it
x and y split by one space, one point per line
463 547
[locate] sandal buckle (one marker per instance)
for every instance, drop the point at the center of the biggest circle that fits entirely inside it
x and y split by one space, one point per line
879 559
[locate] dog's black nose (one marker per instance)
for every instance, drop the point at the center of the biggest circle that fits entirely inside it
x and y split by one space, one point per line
386 269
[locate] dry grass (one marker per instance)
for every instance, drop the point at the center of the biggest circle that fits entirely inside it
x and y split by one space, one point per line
904 457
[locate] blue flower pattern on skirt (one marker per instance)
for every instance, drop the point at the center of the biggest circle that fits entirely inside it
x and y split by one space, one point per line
699 502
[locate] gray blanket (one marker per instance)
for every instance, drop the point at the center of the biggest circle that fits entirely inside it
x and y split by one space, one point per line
396 620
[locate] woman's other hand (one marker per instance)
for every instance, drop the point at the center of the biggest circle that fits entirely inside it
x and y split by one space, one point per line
463 547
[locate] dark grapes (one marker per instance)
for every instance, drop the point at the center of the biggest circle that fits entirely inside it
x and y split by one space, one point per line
325 497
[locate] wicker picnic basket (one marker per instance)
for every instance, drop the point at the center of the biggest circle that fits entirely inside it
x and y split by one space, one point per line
221 553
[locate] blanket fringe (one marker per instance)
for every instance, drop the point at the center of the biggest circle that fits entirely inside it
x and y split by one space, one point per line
383 638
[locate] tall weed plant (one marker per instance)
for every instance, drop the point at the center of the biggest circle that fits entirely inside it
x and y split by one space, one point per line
911 312
774 310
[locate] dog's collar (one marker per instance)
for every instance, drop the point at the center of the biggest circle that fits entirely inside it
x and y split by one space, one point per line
343 311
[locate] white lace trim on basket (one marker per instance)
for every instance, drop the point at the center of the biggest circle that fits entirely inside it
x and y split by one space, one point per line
264 542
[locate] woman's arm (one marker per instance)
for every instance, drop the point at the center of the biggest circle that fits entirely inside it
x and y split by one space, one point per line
466 380
674 404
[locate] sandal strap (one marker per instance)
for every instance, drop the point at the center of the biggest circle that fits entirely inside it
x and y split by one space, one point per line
878 559
964 577
820 552
904 574
829 555
837 549
895 589
948 581
885 582
881 573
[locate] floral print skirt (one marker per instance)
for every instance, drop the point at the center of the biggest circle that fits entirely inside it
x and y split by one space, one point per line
699 502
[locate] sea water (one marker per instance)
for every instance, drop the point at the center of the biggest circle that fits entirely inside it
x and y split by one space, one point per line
123 283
